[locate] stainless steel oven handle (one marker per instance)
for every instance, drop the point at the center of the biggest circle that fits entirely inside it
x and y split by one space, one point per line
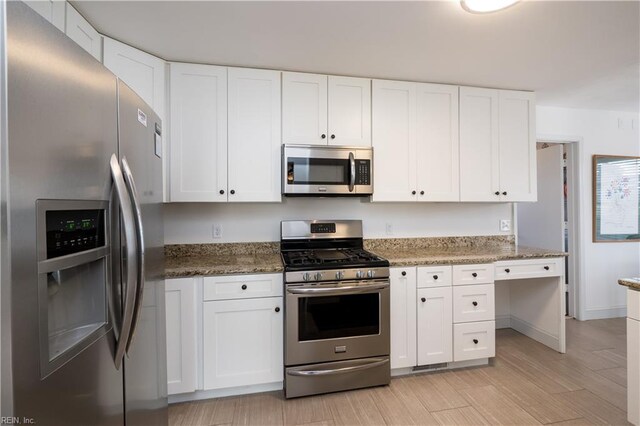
352 177
338 290
374 363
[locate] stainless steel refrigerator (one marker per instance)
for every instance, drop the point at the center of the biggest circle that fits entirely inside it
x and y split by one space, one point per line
83 316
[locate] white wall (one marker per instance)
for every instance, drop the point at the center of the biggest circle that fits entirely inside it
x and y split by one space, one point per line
608 133
192 222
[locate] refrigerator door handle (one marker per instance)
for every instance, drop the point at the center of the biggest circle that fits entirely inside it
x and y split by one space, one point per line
128 222
137 213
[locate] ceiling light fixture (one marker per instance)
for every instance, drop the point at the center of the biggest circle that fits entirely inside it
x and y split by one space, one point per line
486 6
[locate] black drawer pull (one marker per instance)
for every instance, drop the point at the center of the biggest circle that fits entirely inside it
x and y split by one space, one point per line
244 286
475 274
475 341
404 273
423 300
507 270
474 303
546 268
435 277
277 309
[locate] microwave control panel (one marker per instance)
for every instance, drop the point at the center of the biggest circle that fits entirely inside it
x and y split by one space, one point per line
363 172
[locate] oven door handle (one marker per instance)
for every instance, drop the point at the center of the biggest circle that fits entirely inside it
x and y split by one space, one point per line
374 363
329 291
352 177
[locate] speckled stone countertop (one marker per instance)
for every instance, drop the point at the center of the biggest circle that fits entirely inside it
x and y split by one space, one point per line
184 260
633 283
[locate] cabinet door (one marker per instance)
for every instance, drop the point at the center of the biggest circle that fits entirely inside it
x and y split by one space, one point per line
254 135
79 30
437 143
243 342
479 157
142 72
198 157
349 111
517 146
394 141
304 108
403 317
435 325
180 299
52 10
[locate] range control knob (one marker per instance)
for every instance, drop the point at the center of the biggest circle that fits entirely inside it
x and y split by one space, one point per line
359 274
339 275
306 276
318 276
371 273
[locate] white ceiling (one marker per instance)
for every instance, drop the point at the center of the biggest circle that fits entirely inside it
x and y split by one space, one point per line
578 54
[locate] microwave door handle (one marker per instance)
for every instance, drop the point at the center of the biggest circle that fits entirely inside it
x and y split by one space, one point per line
131 185
128 223
352 175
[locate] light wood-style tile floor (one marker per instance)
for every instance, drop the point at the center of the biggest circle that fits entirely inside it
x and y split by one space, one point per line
526 384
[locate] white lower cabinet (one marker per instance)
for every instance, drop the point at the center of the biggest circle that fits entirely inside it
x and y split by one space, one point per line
403 317
473 340
243 342
435 322
633 356
182 346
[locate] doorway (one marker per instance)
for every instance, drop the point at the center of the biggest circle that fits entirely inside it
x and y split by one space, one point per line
553 222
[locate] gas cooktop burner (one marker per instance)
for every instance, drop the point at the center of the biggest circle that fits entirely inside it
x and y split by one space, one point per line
329 258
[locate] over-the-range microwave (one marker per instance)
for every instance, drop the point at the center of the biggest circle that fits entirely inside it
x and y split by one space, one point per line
312 170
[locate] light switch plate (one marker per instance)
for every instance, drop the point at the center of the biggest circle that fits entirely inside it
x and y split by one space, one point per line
505 225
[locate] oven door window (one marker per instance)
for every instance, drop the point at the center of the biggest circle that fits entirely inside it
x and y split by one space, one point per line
330 317
317 171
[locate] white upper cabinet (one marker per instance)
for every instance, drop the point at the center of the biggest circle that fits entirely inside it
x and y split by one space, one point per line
198 154
79 30
143 72
254 135
497 145
394 141
479 144
52 10
517 135
304 108
437 143
415 141
349 111
321 110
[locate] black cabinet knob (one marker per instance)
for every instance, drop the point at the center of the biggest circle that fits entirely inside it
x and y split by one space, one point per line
423 299
323 136
507 270
421 192
474 303
232 191
413 192
475 341
435 277
221 191
504 193
277 309
497 192
404 273
475 274
333 136
244 286
546 268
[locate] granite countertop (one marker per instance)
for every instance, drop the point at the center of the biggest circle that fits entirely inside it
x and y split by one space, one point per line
632 283
184 260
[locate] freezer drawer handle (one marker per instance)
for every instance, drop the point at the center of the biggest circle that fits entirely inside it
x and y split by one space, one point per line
343 370
128 223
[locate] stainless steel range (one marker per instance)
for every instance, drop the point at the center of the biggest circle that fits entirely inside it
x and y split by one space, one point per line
337 309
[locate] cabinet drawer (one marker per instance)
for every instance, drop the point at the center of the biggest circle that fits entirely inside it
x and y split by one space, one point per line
528 268
473 303
434 276
474 340
472 274
242 286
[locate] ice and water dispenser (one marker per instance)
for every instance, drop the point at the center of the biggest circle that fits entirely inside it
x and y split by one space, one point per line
73 278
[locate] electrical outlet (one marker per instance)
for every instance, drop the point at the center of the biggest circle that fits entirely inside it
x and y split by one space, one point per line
505 225
217 230
389 227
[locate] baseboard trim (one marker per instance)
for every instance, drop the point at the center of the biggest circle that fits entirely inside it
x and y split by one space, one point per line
219 393
535 333
602 313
